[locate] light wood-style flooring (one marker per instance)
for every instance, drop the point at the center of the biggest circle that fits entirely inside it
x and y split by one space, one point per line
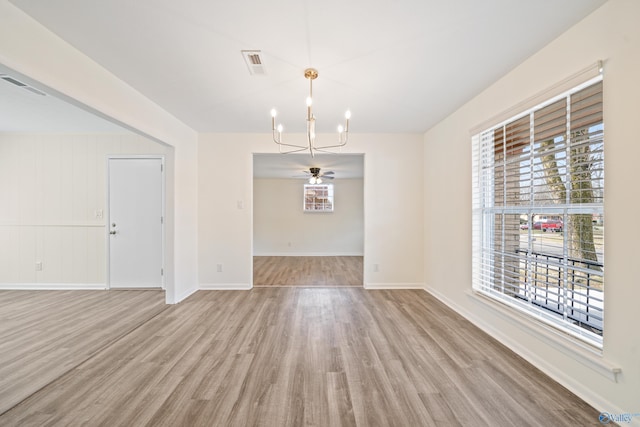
304 356
44 334
308 271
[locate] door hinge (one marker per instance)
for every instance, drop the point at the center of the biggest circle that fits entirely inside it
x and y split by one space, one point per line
162 271
161 168
161 220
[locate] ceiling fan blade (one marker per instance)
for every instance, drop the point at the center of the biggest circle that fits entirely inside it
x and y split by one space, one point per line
327 173
327 177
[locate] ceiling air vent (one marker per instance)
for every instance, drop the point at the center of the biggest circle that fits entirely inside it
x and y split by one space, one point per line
254 62
11 80
18 83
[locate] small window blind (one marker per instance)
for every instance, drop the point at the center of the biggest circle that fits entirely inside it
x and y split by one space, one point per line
318 198
538 212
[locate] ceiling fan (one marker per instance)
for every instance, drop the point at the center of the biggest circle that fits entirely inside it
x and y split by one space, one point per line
316 177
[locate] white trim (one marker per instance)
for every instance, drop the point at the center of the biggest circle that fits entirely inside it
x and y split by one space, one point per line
589 356
224 286
394 285
576 352
77 224
562 330
184 296
53 286
562 86
311 286
136 156
316 254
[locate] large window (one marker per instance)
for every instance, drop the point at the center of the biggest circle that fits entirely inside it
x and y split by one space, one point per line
538 223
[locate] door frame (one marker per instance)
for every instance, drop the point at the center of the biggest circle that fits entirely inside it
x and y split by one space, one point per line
363 156
108 211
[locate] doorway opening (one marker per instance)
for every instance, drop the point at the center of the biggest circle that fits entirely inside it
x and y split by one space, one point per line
295 245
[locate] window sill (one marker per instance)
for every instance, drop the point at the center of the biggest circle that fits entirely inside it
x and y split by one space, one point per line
582 352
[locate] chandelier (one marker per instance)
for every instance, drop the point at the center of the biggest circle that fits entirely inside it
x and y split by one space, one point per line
285 148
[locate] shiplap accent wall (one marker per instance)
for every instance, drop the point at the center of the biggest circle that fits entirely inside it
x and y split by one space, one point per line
53 207
281 228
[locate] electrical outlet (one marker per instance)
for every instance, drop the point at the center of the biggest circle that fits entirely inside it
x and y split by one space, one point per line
38 265
99 213
376 268
219 268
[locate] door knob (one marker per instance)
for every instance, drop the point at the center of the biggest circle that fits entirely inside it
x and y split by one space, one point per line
112 232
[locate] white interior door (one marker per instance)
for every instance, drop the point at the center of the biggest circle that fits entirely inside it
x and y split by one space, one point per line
135 223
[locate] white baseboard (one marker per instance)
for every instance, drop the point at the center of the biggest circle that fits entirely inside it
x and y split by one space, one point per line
309 254
394 285
53 286
224 286
601 403
183 296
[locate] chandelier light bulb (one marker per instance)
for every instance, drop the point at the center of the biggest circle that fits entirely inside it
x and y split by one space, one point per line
273 112
309 101
340 129
347 115
280 128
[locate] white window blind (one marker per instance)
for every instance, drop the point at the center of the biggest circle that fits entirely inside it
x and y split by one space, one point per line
538 212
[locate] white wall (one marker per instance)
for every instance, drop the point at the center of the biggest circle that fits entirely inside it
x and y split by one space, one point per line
611 34
393 207
52 192
45 61
282 228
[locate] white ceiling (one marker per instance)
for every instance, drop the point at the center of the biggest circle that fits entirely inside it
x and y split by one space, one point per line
399 65
345 166
22 110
